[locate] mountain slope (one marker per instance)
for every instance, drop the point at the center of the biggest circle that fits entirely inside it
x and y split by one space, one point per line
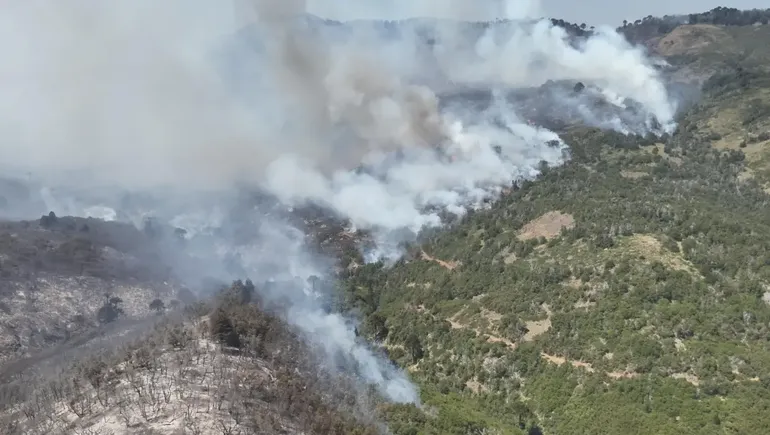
625 292
227 366
57 275
649 311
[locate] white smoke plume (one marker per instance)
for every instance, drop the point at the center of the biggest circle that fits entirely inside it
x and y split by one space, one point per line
369 92
142 96
95 94
529 55
281 255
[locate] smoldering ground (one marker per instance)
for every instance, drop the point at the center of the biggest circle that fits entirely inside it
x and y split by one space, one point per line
177 103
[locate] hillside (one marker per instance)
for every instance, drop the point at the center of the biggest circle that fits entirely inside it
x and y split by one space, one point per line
225 366
625 292
58 275
629 288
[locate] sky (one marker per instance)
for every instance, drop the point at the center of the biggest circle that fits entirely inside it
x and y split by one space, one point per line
592 12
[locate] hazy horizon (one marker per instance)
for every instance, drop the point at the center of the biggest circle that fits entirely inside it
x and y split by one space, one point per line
591 12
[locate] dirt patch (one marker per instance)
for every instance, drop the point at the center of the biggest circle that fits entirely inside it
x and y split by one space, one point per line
491 316
449 265
692 39
687 377
538 327
633 175
646 244
583 304
559 360
626 374
620 374
496 339
509 257
679 345
573 283
455 323
548 225
475 386
414 284
651 248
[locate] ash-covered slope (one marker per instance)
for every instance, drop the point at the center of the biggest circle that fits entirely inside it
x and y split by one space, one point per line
58 274
101 332
225 366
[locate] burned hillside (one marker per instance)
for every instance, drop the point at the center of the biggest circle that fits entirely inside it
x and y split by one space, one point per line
227 366
58 276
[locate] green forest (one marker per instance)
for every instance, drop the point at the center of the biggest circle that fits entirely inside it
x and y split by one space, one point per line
625 292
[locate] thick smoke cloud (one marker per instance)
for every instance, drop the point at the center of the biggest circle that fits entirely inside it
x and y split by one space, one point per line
520 56
478 10
176 100
385 111
128 93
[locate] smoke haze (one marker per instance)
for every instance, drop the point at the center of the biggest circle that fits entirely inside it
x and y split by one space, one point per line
175 99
